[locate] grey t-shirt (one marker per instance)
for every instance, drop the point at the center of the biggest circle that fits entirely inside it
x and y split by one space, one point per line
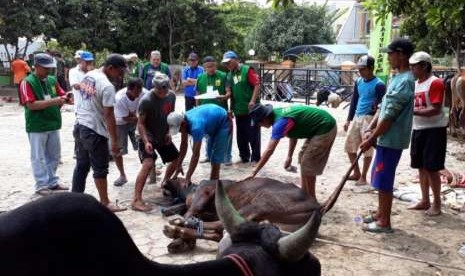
96 92
156 110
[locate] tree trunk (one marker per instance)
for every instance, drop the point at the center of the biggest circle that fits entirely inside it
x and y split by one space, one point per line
170 39
25 48
9 61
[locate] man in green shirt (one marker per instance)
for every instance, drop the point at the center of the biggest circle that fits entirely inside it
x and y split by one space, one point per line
315 125
243 83
210 81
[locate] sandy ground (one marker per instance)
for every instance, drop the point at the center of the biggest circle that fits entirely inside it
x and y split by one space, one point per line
416 236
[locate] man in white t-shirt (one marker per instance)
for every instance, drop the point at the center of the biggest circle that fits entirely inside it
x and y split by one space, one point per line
76 74
127 102
429 137
95 124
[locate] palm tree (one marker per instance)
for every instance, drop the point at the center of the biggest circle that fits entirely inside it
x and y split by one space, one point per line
283 3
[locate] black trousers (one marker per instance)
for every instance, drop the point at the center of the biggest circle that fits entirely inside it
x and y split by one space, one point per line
190 103
248 139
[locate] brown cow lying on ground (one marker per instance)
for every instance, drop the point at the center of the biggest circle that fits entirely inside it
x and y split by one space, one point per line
258 199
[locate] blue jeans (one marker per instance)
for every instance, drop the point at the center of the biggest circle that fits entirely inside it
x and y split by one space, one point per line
45 156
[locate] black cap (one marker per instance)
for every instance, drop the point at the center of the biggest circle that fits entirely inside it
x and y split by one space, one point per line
193 56
402 45
209 59
260 112
115 60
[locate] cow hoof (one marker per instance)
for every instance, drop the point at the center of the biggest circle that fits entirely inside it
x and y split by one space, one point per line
175 232
180 246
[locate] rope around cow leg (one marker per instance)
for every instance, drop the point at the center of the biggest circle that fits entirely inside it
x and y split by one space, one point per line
435 264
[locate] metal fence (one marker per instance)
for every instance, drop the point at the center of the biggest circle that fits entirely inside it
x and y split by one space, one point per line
301 84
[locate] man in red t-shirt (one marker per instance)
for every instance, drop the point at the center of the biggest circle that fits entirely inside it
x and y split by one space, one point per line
429 137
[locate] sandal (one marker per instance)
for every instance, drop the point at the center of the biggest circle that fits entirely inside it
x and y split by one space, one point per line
375 228
369 218
120 181
144 208
115 208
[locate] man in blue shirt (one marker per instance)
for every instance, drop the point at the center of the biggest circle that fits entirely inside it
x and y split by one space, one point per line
390 130
207 119
368 92
189 80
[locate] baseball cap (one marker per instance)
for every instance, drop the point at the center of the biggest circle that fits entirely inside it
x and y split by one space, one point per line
44 60
419 57
87 56
115 60
174 121
228 56
402 45
193 56
260 112
78 54
209 59
161 80
366 61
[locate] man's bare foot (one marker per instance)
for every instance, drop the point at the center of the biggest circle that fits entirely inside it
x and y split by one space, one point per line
420 206
361 182
115 208
139 205
354 177
433 211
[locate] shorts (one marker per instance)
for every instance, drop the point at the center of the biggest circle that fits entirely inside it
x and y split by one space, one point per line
168 152
428 149
123 132
384 168
355 135
218 146
315 152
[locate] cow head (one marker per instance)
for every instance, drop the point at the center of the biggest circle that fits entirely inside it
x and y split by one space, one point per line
263 246
200 199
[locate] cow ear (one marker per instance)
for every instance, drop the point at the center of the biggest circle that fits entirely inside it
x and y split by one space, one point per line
228 215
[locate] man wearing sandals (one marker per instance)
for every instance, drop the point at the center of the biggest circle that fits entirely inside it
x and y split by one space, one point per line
429 137
153 111
95 124
390 132
368 92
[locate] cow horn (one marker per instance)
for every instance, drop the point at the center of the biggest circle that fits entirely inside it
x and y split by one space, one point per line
294 246
228 215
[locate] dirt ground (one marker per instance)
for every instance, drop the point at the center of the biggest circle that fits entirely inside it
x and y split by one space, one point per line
344 249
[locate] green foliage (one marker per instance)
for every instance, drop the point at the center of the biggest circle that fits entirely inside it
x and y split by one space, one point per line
435 26
281 3
293 26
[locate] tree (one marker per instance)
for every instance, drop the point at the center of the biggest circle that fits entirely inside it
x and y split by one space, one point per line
281 3
293 26
27 19
435 26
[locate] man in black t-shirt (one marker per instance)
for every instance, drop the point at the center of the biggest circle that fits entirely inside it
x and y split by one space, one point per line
153 110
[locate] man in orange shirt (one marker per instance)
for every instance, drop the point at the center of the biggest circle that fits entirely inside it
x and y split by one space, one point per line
20 69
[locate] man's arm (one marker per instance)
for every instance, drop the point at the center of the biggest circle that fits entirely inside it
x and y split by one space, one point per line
194 160
272 144
254 81
182 152
42 104
430 111
290 152
110 121
353 107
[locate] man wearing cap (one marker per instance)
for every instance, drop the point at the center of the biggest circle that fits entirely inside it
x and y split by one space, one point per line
243 83
390 132
190 74
315 125
368 92
126 104
76 74
153 111
155 65
208 119
429 137
42 97
214 80
95 124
